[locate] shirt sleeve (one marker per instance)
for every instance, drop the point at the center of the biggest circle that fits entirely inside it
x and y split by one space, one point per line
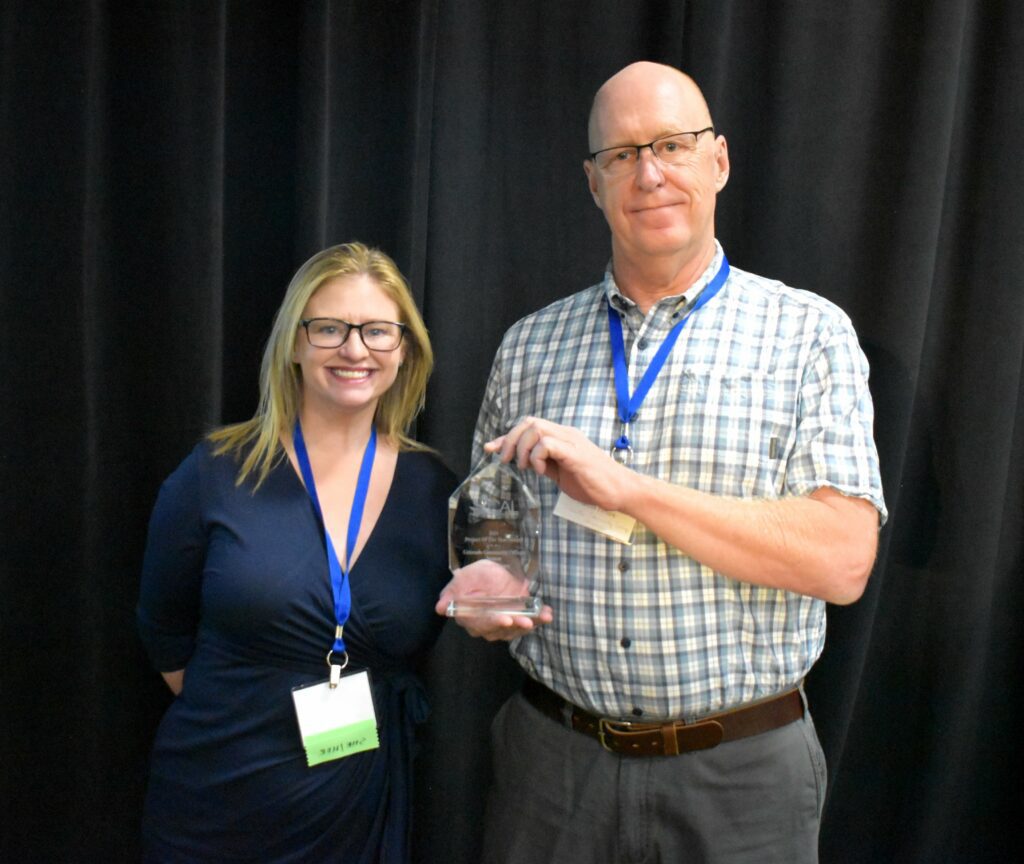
169 595
835 443
490 421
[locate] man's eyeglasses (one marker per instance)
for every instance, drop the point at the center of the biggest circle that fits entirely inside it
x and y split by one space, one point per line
675 149
332 333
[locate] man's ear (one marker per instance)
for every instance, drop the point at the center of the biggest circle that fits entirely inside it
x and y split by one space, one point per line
721 163
590 169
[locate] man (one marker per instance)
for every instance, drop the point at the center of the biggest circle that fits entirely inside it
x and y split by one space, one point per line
663 717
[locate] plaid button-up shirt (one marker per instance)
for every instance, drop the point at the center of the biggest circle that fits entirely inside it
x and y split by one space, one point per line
765 395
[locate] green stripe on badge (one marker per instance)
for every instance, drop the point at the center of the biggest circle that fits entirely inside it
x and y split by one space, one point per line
341 742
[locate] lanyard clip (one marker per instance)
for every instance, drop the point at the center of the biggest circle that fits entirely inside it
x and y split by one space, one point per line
336 669
621 451
622 455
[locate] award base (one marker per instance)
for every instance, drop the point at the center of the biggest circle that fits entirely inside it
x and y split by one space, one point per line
473 607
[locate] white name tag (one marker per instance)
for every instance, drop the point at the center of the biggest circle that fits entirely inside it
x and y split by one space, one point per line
336 722
610 523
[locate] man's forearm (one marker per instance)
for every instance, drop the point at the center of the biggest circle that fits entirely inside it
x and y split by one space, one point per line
822 545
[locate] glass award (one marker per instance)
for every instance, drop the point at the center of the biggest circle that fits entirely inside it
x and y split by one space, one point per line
495 515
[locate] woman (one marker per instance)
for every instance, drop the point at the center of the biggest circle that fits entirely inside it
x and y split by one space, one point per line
240 604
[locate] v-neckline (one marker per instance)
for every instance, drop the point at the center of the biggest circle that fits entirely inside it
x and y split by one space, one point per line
297 479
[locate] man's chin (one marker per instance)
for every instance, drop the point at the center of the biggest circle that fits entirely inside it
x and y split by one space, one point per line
664 243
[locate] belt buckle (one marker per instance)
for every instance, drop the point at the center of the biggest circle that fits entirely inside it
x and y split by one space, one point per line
605 725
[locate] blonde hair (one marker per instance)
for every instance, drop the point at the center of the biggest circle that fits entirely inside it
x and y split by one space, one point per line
256 442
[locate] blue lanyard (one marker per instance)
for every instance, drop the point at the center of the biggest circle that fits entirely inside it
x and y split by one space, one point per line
339 576
630 405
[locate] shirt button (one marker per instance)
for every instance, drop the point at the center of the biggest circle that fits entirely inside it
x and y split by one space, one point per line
623 566
625 641
642 344
638 712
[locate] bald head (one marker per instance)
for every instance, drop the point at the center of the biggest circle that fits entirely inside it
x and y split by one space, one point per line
631 91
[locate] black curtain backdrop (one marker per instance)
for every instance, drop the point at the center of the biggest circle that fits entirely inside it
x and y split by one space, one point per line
166 166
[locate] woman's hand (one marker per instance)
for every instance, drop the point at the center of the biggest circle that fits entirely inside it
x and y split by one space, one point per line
489 579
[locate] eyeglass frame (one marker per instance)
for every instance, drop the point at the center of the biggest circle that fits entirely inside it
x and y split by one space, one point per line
650 144
305 322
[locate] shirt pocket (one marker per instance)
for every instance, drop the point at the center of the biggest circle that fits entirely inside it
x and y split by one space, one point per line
742 426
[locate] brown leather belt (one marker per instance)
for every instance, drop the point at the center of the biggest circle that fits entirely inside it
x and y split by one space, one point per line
668 739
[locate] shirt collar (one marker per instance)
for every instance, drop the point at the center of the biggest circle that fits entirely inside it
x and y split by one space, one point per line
679 301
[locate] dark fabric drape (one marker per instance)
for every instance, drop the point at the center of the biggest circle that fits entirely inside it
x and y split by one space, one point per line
165 167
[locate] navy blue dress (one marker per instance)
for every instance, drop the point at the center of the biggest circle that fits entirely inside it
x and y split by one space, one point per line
235 590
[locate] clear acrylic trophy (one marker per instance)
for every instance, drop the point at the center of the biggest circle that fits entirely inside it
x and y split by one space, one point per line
495 515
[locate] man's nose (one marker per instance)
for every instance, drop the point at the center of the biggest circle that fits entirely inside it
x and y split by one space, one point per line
651 172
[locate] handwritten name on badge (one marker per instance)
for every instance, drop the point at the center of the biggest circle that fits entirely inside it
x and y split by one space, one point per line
355 745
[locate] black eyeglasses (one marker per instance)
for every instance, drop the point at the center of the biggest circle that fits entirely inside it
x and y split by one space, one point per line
675 149
332 333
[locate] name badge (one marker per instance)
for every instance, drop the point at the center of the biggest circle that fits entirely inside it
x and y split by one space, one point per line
609 523
336 722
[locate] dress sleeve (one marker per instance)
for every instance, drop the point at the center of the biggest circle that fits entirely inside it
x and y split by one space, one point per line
835 443
169 596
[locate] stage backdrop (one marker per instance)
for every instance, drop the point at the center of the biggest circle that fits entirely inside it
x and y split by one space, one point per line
165 167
